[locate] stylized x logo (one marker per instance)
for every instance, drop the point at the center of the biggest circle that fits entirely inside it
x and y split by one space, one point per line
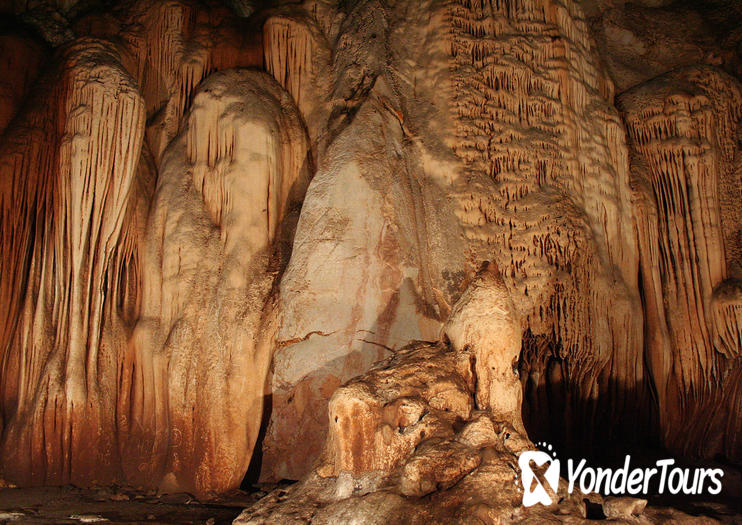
537 494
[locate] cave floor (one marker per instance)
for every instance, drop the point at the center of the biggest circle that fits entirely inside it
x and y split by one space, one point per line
68 505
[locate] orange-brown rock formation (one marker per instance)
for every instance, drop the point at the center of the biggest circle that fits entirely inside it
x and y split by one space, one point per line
516 154
254 231
200 352
68 168
82 402
684 129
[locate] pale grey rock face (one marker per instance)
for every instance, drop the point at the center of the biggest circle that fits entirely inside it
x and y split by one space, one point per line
378 252
416 186
418 437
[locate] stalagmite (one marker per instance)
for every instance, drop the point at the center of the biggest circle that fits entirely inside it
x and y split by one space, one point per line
378 247
409 429
80 404
191 388
485 322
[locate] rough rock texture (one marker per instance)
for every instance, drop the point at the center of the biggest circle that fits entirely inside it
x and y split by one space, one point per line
546 191
498 141
641 42
420 423
417 439
381 418
174 45
366 275
92 389
81 402
484 322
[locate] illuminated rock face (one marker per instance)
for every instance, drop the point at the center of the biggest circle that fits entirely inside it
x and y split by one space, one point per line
684 133
366 275
484 322
496 141
199 354
68 169
147 315
546 194
440 419
191 249
172 46
379 419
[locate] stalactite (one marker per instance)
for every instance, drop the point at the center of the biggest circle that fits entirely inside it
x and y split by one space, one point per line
535 125
683 132
67 175
171 46
297 55
162 273
289 57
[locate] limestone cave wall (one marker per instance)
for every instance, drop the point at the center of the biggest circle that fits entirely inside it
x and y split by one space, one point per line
217 219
